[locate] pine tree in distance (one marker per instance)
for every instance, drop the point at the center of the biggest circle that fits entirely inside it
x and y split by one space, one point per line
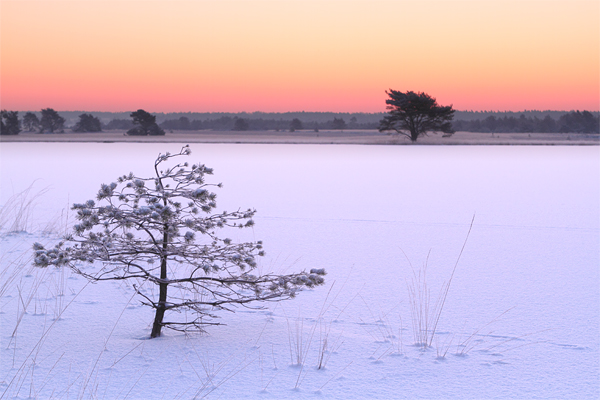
161 231
414 114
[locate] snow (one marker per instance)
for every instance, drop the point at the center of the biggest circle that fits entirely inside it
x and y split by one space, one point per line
521 319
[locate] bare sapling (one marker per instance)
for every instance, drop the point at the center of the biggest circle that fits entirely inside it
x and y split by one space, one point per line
162 230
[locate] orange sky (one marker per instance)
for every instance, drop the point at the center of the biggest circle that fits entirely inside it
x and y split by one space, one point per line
286 55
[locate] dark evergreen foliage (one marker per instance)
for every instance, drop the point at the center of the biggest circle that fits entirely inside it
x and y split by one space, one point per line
119 124
181 124
295 125
31 122
51 121
144 124
573 122
240 124
87 123
414 114
579 122
338 123
9 123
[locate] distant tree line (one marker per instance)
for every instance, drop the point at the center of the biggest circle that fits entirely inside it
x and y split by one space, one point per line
228 123
573 122
49 121
142 123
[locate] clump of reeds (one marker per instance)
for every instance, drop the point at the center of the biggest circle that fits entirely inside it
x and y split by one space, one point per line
15 214
425 314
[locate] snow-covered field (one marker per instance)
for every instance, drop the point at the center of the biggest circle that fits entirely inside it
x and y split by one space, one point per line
521 319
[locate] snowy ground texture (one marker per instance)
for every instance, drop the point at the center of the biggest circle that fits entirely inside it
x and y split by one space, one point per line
521 319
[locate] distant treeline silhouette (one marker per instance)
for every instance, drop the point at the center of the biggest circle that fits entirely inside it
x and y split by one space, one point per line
227 123
472 121
573 122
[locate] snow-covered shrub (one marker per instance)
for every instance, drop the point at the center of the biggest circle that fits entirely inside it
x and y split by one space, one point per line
160 230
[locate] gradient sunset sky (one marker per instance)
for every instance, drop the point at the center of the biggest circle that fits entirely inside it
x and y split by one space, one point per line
285 55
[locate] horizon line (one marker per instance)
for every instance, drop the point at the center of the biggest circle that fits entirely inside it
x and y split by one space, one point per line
303 111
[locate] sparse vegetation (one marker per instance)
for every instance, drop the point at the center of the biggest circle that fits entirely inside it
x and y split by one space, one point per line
15 213
425 314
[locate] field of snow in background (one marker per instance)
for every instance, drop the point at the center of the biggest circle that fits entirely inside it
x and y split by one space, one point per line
521 319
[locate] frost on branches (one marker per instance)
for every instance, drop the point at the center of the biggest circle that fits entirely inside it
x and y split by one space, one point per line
161 231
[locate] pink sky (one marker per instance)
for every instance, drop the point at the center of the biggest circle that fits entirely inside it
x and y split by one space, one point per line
285 55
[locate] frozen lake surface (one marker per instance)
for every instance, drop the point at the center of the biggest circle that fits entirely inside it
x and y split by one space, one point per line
522 317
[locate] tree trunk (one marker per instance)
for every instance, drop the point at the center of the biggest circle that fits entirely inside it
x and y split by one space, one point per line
160 310
414 134
162 296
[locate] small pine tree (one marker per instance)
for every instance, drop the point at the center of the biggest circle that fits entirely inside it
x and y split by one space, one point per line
161 231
